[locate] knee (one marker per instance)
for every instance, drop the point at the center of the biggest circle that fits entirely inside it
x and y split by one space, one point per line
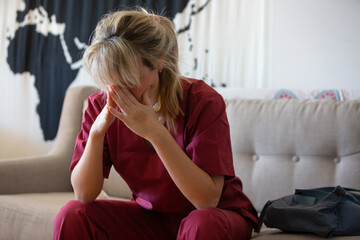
70 220
203 224
71 211
203 217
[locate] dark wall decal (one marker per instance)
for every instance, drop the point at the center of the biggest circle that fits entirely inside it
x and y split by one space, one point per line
193 13
54 56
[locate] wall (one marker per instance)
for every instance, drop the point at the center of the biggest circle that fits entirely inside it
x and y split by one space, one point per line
314 44
42 44
20 133
233 43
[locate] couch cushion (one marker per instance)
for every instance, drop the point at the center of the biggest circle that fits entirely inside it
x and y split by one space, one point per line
33 212
276 234
280 145
116 186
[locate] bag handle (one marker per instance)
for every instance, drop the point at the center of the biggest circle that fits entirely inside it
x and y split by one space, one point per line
328 189
312 196
262 215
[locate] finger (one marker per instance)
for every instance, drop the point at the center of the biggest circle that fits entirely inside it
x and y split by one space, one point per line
126 94
109 100
116 113
119 100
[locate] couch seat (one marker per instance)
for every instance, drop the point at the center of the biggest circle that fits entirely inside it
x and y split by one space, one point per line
276 234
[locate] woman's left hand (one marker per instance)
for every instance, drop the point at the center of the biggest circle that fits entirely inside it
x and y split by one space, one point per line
140 117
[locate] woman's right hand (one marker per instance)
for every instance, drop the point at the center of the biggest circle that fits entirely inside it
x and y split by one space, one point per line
104 119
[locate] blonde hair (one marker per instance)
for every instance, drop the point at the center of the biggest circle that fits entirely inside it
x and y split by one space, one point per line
124 40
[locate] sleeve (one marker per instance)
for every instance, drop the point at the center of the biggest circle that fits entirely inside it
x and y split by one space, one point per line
208 134
95 104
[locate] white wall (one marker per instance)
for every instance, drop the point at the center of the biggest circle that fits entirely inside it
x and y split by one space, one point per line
20 133
314 44
311 44
220 47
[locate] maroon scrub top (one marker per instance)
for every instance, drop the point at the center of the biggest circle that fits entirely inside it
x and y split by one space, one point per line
203 134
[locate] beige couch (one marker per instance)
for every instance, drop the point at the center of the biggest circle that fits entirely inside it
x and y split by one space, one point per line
278 145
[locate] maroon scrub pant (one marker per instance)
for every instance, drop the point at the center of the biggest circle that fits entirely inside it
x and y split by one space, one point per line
111 219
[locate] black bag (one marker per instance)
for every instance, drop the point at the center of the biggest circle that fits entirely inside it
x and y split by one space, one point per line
325 211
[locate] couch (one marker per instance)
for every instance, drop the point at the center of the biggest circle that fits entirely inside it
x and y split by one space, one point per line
281 140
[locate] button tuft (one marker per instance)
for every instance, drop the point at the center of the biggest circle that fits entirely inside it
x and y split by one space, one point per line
295 159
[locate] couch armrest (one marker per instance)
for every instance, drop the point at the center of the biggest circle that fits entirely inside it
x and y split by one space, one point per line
46 173
50 172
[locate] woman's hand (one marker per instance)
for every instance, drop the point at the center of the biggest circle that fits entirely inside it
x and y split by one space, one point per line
104 119
87 177
140 117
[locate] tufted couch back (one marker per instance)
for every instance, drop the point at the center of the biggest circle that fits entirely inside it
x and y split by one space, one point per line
280 145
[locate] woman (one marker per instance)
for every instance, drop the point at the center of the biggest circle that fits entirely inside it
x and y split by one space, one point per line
167 136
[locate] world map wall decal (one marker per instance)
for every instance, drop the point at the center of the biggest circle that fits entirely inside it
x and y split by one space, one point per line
49 40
